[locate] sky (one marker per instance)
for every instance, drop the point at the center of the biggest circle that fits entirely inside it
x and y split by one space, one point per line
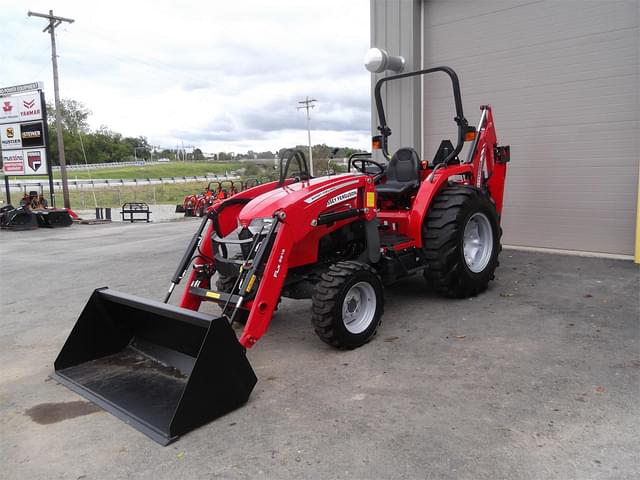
220 75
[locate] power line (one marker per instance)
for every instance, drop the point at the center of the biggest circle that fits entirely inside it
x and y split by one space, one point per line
308 104
54 22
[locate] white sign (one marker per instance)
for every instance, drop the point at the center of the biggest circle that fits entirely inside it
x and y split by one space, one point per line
30 161
35 161
10 138
21 108
9 110
30 108
25 87
13 162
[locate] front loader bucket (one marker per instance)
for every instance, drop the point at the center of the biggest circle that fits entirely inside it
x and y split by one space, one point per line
163 369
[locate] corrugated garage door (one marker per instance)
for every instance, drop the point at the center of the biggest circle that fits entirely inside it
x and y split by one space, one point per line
562 77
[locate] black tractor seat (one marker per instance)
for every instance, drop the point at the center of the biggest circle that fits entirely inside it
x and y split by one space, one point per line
403 174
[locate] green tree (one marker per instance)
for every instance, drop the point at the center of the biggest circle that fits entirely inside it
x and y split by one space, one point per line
74 115
197 154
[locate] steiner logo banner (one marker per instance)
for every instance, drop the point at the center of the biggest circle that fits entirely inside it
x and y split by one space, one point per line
32 135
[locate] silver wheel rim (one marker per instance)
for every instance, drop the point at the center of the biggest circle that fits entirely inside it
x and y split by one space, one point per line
359 307
477 242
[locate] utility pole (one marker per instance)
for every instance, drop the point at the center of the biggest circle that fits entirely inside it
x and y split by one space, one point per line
53 23
307 104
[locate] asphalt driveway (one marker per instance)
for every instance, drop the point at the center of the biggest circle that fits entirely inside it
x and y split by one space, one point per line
536 378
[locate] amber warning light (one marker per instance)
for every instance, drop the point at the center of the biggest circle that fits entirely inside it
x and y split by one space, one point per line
376 143
470 135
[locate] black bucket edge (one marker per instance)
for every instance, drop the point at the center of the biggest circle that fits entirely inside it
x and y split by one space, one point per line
150 431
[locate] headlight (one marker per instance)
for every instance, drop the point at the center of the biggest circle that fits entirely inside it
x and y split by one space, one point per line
258 225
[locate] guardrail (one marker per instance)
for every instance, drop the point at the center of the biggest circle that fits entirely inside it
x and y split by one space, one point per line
110 182
79 166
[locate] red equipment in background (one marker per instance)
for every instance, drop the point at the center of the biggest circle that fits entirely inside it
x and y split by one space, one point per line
197 205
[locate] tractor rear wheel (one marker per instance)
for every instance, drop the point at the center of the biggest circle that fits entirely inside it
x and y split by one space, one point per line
461 242
348 302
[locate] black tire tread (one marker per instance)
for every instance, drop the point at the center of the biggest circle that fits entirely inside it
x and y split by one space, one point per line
440 233
324 300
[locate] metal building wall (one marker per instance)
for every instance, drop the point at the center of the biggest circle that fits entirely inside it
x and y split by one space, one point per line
395 26
563 79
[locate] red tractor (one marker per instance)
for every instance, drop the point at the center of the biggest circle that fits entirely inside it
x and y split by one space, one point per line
337 240
197 205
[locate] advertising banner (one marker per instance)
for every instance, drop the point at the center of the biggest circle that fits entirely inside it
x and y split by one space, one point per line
21 108
35 161
10 138
22 135
13 162
9 110
32 134
30 108
25 87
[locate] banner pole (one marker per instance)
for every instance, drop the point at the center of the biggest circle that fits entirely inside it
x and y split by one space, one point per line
45 131
7 188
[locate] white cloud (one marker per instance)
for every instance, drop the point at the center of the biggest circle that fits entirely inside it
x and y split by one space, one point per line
220 75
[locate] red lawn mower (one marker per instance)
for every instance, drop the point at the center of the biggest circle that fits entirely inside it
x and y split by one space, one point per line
336 240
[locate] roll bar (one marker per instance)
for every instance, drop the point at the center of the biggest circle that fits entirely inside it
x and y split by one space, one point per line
463 125
356 156
289 155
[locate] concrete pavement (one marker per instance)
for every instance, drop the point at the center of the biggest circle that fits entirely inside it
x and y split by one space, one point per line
537 378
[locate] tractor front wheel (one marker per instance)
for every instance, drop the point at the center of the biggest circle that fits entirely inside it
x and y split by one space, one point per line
461 241
348 302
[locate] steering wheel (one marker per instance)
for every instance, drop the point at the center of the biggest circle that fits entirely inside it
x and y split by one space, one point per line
363 167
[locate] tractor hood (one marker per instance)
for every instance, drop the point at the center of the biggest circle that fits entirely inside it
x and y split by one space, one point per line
304 193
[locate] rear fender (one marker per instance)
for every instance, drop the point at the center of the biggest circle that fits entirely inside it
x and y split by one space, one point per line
426 193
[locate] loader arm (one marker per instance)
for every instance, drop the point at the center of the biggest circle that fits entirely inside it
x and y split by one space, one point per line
298 216
296 222
219 223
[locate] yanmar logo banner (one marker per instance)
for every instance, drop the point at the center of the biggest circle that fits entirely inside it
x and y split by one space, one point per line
30 108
